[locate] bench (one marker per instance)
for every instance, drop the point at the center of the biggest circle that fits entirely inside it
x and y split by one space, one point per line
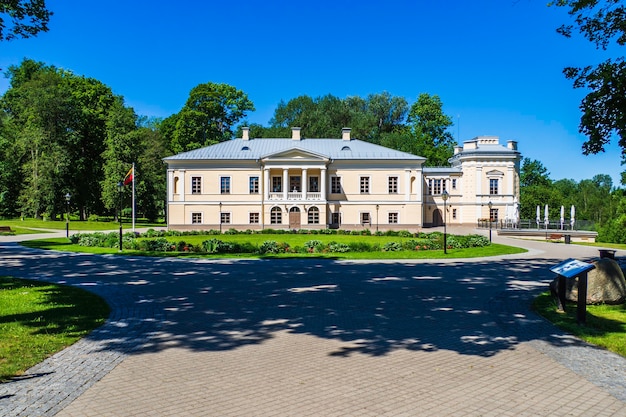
555 236
5 229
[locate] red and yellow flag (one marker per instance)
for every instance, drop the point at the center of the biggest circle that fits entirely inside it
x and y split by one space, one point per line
129 177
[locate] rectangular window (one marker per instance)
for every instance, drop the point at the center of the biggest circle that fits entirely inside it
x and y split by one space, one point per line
314 215
225 185
254 218
254 185
454 183
314 184
436 186
196 185
493 186
295 184
365 218
225 218
393 185
196 218
276 216
393 218
493 215
277 184
454 214
365 185
335 185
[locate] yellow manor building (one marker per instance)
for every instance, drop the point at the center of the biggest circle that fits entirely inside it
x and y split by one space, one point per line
342 183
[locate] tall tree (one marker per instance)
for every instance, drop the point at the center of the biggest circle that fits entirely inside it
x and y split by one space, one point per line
535 189
60 119
602 22
429 127
534 173
23 18
209 116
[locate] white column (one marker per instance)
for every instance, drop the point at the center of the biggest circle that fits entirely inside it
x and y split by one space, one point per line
304 183
285 183
170 185
181 189
323 183
266 184
509 181
407 185
419 185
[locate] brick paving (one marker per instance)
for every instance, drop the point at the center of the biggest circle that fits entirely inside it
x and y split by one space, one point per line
315 338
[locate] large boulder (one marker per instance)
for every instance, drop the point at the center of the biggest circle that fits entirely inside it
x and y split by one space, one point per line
605 284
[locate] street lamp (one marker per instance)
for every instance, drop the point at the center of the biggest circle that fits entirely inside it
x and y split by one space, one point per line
68 196
490 204
120 187
444 197
220 217
377 207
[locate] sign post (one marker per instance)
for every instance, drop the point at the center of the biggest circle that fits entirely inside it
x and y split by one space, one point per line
569 269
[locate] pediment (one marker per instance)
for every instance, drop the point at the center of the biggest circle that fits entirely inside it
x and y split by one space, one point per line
295 155
495 173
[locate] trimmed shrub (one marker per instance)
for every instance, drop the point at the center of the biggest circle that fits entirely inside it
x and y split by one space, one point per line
269 246
338 247
392 247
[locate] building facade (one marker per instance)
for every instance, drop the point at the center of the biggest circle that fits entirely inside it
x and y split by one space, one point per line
343 183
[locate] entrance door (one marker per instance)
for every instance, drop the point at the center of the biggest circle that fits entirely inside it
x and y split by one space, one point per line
294 218
437 218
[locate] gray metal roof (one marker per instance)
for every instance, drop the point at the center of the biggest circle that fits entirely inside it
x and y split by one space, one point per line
441 170
253 149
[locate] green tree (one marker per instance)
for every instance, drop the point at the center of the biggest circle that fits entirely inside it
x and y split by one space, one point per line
23 18
209 116
121 150
60 123
533 172
603 23
536 189
429 128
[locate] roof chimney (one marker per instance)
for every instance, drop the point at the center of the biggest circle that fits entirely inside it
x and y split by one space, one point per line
295 133
345 133
511 144
245 133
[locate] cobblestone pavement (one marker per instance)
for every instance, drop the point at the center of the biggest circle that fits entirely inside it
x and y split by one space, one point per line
315 338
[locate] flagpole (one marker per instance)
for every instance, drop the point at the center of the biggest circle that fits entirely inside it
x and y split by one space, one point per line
133 197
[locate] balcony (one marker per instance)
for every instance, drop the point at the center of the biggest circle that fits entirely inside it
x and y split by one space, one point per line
296 196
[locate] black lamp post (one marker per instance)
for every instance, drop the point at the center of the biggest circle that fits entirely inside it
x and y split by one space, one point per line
490 204
120 187
377 207
68 196
444 197
220 217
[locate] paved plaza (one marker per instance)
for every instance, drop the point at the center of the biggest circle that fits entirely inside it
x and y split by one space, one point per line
315 337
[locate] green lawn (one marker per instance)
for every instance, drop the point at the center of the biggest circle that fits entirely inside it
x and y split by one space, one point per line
22 226
39 319
62 244
605 326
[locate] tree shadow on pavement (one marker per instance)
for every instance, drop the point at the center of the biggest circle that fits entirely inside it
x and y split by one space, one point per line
373 308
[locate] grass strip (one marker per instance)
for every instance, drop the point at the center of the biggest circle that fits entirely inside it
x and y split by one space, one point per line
39 319
62 244
605 326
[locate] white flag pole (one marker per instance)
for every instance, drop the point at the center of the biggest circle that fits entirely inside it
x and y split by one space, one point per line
133 197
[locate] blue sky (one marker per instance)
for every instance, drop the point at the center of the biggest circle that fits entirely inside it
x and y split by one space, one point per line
496 64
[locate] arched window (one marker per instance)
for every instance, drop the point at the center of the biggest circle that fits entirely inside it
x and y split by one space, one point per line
175 185
276 215
314 215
